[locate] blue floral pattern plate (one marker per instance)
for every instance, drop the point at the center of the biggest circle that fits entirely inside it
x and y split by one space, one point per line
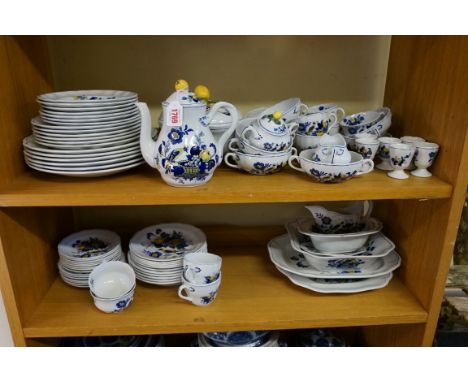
167 241
88 243
285 257
378 245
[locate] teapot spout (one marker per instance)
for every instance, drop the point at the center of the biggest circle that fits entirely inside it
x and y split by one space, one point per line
147 145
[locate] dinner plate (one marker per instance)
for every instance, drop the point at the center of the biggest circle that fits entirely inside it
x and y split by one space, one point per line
92 122
88 243
31 144
78 133
378 245
38 122
86 111
338 285
83 146
87 97
88 174
88 117
285 257
88 140
71 165
88 168
125 105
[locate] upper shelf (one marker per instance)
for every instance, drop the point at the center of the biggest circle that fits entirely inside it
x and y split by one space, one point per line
144 186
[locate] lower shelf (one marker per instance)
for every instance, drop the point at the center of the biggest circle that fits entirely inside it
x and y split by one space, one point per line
253 295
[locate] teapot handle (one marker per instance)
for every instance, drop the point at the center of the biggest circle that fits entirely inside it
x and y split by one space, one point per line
235 118
147 145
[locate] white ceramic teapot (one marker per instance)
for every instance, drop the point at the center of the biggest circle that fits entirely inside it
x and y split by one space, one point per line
185 153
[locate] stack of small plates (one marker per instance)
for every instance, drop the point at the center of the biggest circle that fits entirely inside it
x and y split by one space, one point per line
360 268
82 251
85 133
156 253
239 339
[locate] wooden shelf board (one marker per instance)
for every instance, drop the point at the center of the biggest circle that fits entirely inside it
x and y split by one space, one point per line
253 295
144 186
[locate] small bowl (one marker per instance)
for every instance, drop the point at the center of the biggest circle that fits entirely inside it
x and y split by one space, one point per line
338 243
114 305
111 280
259 164
331 173
240 145
376 122
340 265
291 109
304 142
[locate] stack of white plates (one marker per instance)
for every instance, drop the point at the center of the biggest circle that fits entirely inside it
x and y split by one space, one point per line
156 253
85 133
335 273
82 251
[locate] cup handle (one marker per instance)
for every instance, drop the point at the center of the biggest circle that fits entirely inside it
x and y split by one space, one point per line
292 165
181 289
340 110
246 130
232 142
367 166
303 108
370 206
292 127
235 158
293 151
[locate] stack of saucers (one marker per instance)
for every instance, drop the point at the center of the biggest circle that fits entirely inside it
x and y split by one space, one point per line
352 256
85 133
82 251
262 338
156 253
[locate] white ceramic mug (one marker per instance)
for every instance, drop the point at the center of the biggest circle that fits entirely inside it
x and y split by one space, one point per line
201 267
200 295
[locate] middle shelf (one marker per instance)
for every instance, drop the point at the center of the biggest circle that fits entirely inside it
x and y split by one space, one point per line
253 295
144 186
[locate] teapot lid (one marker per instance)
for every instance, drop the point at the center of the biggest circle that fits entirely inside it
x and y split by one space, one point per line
273 123
185 97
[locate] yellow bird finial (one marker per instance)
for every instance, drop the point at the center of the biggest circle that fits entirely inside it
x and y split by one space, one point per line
181 85
202 92
277 115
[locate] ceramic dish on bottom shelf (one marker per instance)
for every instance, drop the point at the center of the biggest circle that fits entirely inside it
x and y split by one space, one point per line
378 245
338 242
271 341
338 285
285 257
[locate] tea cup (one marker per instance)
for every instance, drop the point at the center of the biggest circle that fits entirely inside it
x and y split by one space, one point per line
316 124
328 108
384 152
259 164
240 145
425 153
401 155
266 141
290 109
201 267
367 147
332 150
200 295
304 142
411 140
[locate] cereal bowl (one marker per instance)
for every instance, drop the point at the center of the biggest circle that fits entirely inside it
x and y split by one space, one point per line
241 145
304 142
330 173
111 280
290 108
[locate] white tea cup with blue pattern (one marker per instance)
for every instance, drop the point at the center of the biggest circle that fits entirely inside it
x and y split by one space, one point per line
201 267
200 295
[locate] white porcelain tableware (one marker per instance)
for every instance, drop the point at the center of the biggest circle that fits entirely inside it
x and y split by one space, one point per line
384 152
424 156
304 142
269 133
338 243
236 338
316 124
338 285
259 165
186 154
200 295
367 147
327 108
411 140
377 245
285 257
401 155
201 267
79 98
345 219
359 122
240 145
332 150
330 173
290 109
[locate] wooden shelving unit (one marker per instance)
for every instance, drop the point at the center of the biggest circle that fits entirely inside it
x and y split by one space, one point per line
426 90
145 187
